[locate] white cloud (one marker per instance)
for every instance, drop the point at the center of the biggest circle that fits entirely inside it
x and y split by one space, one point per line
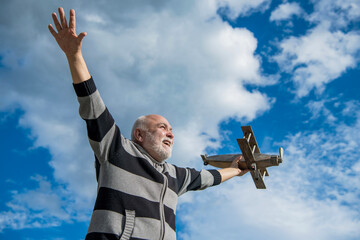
286 11
41 207
336 13
318 58
236 8
319 109
179 60
326 51
95 19
350 108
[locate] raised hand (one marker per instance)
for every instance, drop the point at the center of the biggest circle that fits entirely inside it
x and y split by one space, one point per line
70 43
66 36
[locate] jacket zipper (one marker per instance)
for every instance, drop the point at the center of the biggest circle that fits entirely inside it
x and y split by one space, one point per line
162 212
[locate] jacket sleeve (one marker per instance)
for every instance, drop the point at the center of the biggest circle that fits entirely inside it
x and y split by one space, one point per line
190 179
99 122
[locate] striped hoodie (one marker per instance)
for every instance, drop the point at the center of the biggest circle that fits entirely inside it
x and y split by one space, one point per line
136 195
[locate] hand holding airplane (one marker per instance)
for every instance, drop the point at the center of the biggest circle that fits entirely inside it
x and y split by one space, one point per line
251 158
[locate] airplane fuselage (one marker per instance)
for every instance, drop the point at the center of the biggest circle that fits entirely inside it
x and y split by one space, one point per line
224 161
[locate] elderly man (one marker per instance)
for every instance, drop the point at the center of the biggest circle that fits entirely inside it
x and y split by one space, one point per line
137 190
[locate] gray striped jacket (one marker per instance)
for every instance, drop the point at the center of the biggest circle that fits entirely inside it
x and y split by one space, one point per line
137 196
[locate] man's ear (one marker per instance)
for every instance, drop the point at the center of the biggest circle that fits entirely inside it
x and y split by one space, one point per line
139 135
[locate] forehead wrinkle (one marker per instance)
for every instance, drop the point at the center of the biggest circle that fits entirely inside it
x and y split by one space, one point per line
157 119
166 124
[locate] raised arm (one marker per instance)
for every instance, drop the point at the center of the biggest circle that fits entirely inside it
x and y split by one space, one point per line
70 43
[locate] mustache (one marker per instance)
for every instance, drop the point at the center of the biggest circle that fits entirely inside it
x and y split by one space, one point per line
168 139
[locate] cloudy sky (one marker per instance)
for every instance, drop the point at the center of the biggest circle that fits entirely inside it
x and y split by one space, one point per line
290 69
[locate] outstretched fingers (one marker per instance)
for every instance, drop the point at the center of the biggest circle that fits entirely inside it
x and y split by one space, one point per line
72 22
52 31
65 36
62 18
56 22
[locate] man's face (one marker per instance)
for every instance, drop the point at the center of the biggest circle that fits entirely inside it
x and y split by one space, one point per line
158 139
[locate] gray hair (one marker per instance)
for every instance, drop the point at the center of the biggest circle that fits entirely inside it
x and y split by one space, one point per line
140 123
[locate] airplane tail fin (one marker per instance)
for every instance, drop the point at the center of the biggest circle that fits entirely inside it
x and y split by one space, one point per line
204 159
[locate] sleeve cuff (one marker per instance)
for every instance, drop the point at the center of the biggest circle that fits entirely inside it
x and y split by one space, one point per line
86 88
217 177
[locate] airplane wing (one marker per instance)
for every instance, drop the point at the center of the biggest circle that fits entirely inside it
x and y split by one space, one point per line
249 147
223 161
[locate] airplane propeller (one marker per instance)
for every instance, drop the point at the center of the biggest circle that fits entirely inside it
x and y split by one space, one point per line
281 151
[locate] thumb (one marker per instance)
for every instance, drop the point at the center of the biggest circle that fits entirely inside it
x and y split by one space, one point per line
81 36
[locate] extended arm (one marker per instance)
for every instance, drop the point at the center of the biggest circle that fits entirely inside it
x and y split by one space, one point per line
100 124
232 171
70 43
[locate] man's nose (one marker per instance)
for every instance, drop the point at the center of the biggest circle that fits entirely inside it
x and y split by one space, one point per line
169 134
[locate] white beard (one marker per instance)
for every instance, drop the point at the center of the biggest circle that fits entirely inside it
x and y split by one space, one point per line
162 152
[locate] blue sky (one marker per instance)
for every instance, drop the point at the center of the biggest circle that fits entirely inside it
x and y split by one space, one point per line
290 69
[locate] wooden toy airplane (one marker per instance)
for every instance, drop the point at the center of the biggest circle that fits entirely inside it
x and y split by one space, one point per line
252 159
